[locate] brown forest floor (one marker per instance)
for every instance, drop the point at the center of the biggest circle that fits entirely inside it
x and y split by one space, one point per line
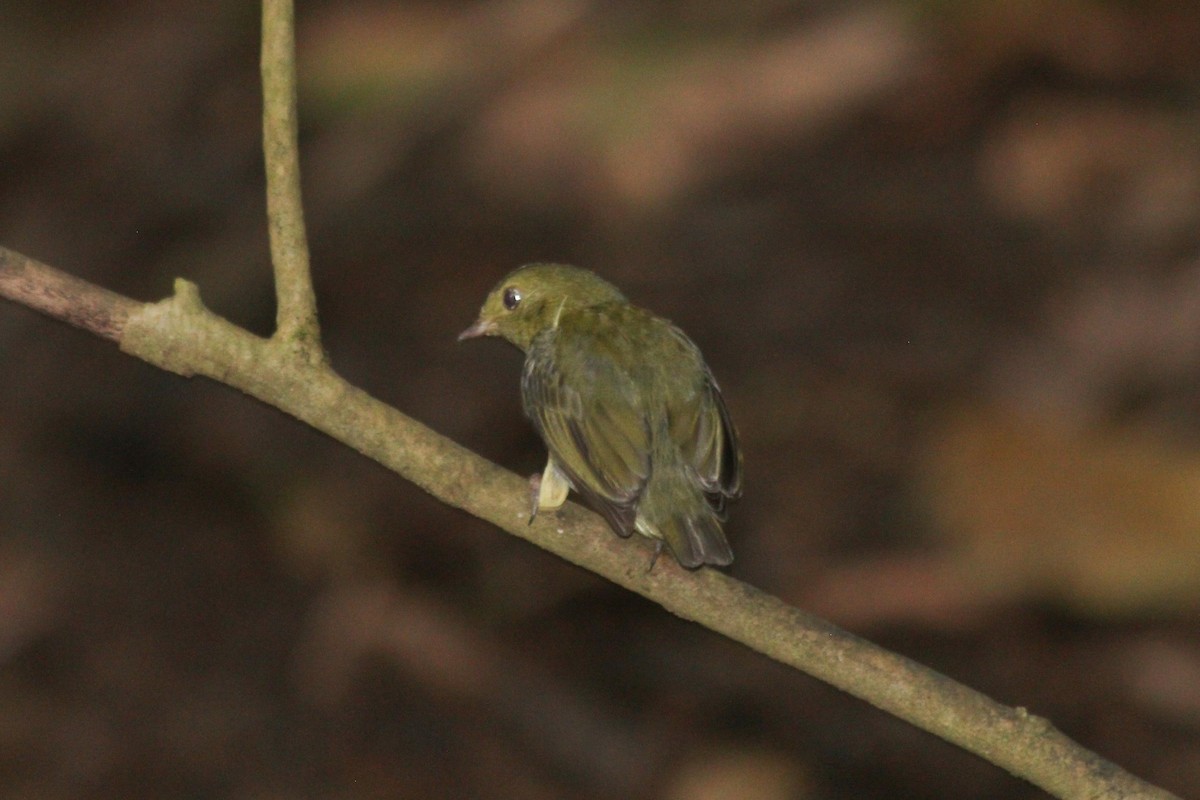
942 257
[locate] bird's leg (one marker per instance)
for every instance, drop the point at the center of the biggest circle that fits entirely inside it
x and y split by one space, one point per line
535 488
658 548
547 491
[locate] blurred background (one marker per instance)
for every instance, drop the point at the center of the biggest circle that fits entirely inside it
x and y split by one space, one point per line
943 258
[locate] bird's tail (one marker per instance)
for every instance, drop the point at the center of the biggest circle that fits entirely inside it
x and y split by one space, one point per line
696 538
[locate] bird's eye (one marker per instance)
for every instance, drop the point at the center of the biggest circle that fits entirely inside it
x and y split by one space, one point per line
512 297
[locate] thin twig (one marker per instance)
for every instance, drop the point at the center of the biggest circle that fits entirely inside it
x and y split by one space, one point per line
296 315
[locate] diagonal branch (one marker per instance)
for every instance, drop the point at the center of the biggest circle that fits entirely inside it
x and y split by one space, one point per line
64 297
181 335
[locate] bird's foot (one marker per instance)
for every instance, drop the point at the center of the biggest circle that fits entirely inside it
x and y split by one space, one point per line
658 548
535 491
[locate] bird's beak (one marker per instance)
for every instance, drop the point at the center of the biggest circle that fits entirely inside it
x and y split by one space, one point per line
482 327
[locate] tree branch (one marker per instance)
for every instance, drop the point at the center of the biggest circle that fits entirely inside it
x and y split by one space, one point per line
181 335
63 297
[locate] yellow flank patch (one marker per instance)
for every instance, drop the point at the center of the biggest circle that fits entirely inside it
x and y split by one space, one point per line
553 491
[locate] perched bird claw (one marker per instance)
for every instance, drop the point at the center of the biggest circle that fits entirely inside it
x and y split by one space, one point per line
535 490
658 548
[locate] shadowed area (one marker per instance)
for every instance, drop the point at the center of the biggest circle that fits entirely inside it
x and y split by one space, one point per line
942 258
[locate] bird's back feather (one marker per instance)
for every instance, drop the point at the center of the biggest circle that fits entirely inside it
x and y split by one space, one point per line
633 417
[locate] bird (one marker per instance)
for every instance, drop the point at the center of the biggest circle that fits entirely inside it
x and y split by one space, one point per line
630 414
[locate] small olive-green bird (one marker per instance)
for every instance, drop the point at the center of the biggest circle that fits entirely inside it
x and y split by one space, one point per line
629 411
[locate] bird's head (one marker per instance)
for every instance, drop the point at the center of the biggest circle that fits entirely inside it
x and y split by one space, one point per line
532 298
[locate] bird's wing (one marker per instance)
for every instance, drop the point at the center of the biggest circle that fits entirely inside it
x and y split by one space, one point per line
701 426
718 457
587 410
